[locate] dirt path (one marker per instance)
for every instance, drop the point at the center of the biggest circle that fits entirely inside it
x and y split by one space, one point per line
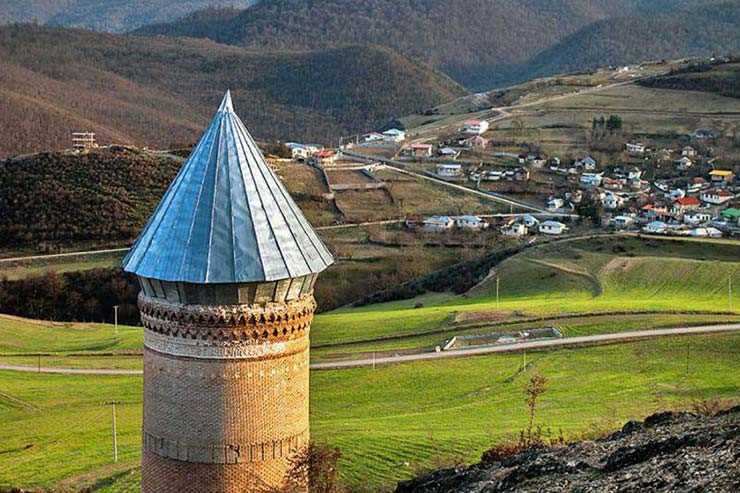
596 288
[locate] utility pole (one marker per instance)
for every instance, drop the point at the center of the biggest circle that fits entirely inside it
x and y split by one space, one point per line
115 437
115 319
497 292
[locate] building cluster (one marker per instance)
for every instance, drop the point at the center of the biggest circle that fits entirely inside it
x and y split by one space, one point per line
699 198
442 223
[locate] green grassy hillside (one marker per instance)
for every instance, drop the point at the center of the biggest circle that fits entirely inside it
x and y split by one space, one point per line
590 276
389 422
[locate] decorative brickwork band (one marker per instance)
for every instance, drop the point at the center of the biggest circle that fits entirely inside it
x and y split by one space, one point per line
283 448
226 331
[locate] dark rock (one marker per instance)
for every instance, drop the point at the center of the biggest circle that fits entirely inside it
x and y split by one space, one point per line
668 452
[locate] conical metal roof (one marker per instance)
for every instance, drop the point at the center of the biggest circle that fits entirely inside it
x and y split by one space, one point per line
227 218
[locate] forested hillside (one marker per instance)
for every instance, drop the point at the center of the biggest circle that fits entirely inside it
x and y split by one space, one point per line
103 197
112 16
720 79
479 43
162 92
710 29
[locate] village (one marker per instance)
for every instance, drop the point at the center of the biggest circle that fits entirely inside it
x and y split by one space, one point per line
681 190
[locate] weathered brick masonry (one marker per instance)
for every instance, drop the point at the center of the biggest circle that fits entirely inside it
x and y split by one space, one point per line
227 266
225 394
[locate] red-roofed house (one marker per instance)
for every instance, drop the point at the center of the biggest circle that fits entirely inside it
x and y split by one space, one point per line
684 204
475 127
325 156
422 150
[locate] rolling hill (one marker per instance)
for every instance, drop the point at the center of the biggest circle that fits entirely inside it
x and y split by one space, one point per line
479 43
721 79
162 91
112 16
696 31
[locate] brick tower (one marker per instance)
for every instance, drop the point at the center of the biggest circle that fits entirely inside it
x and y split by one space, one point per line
227 266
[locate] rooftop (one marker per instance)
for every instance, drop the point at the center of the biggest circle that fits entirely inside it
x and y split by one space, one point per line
227 218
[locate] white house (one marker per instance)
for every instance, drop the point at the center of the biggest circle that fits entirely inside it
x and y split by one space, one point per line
636 148
436 224
696 217
716 196
515 229
421 150
590 180
552 228
705 233
449 152
298 151
529 220
554 203
587 163
477 127
628 172
470 222
622 222
688 151
655 227
373 137
449 170
394 135
612 201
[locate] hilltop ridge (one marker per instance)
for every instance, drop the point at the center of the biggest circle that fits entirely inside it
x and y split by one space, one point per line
480 44
161 92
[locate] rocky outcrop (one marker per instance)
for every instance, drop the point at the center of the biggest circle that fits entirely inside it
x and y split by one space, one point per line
666 452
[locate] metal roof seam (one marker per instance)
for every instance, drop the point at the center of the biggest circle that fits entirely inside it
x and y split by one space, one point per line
196 208
249 209
227 218
310 234
261 170
256 157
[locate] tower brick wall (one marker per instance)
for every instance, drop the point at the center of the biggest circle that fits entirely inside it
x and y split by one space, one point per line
225 392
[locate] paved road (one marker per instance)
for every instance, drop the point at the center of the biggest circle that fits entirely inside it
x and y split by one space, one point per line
458 353
69 371
553 343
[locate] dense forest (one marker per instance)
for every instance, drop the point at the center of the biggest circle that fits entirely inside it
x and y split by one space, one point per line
721 79
707 30
162 91
102 197
113 16
479 43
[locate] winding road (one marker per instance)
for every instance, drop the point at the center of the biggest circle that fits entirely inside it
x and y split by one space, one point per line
593 340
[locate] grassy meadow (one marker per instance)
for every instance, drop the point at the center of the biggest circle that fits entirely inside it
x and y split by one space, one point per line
393 421
389 422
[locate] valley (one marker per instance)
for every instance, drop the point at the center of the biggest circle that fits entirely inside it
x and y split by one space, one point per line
564 207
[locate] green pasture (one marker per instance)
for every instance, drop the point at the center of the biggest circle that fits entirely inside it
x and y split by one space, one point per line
390 422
